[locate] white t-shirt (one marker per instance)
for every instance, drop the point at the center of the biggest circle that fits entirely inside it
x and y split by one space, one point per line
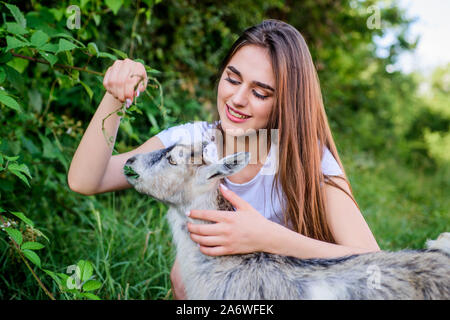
257 191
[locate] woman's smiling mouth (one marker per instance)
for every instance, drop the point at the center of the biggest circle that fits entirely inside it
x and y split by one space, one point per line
235 115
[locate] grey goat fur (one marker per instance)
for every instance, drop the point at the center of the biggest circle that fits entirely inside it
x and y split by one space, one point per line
170 175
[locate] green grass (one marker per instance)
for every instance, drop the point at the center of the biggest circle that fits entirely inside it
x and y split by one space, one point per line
125 236
403 206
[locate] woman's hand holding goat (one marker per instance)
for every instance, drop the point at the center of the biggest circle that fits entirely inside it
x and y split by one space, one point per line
234 232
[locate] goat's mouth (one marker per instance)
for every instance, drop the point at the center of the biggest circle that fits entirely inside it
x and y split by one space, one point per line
130 173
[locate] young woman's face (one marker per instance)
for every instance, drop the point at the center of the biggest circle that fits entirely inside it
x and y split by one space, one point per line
245 94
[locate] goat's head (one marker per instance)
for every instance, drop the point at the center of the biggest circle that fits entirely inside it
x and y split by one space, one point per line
178 174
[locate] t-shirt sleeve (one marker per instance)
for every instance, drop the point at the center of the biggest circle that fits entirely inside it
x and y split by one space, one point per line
329 164
187 133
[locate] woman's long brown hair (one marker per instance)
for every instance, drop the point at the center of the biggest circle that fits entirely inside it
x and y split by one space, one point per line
302 124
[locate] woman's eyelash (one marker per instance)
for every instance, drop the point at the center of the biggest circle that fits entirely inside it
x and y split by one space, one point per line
254 92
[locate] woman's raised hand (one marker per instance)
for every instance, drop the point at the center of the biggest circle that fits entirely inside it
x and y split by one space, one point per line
122 77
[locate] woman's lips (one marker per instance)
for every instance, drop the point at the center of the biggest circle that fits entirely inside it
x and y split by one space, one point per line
242 114
235 118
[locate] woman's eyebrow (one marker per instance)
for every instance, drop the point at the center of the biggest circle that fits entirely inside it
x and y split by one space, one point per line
262 85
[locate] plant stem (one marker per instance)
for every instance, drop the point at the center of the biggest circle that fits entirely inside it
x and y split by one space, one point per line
133 29
56 64
29 267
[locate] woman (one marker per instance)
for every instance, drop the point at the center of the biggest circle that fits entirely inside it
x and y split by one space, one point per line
267 81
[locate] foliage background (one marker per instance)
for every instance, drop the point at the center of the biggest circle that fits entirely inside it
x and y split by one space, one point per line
393 139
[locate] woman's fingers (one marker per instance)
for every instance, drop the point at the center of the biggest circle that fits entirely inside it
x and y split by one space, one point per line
211 215
207 241
122 77
142 77
205 229
113 79
215 251
125 79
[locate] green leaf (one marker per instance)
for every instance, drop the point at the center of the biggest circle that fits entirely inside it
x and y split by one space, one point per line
107 55
114 5
31 245
65 45
13 43
50 47
21 168
12 158
152 71
91 285
22 217
9 102
15 78
97 19
18 64
18 16
15 28
83 3
89 295
18 170
68 36
39 38
33 257
129 172
88 89
121 54
63 280
86 270
92 48
52 59
20 176
50 151
53 276
16 235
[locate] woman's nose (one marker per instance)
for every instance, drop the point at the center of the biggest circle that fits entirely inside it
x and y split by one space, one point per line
240 97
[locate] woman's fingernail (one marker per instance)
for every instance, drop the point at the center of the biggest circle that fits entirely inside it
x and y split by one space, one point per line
188 213
128 101
223 186
137 93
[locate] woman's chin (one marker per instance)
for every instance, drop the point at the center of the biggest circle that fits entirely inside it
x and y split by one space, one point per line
233 129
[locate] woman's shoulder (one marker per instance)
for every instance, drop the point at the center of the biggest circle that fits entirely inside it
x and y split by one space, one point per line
187 133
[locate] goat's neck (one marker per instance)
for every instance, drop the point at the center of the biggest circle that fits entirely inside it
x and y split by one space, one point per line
212 200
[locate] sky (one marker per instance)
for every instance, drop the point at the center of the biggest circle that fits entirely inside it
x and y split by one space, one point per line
433 26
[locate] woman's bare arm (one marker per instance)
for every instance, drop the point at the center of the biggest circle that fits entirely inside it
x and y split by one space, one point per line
349 228
93 169
113 179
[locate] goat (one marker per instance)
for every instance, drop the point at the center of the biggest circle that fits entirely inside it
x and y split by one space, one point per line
170 175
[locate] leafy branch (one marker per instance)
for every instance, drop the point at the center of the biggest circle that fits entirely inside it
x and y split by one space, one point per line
39 42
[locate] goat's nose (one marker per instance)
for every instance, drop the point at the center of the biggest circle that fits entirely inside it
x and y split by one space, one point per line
130 161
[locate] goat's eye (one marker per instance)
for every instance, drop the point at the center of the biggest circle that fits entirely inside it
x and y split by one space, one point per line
169 158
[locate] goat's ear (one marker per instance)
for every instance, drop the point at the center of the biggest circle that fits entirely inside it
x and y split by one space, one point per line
225 166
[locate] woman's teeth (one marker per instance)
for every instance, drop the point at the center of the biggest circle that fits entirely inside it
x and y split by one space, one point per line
237 115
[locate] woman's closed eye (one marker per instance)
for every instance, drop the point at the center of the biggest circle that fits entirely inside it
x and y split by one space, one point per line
254 92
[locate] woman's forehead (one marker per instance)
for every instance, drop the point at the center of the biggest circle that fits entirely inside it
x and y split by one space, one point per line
254 64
